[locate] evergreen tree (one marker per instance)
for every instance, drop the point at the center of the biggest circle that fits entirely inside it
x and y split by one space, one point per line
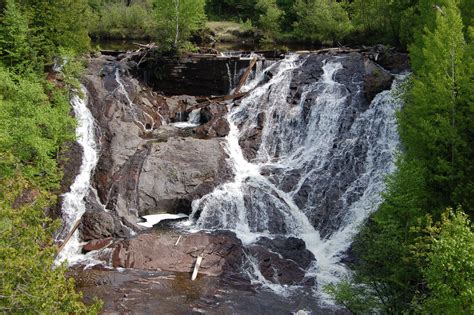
15 49
55 24
430 122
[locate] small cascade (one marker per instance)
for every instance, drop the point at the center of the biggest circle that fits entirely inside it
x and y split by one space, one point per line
131 109
326 140
194 119
73 206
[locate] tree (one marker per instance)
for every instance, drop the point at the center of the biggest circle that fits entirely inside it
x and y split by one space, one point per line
446 255
391 21
321 20
58 23
28 282
431 126
15 48
178 18
269 20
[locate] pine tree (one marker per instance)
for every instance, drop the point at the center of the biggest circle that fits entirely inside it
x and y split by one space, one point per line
15 50
430 121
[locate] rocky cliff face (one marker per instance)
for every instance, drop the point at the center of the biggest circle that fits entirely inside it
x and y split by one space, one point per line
148 166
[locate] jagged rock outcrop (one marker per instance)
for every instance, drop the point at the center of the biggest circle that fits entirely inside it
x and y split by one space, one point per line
100 224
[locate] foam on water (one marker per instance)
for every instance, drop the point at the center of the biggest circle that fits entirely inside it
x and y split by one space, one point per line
73 206
295 141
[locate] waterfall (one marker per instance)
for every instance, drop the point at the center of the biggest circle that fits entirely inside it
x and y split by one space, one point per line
194 120
73 206
130 108
308 152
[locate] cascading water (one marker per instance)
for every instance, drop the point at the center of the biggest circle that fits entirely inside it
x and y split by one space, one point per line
130 108
305 148
73 206
194 120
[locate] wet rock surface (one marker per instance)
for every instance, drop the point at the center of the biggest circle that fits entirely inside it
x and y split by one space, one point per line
97 225
359 80
146 164
144 292
221 252
189 75
149 166
281 261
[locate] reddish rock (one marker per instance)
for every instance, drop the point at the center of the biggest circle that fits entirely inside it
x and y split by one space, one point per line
97 244
158 252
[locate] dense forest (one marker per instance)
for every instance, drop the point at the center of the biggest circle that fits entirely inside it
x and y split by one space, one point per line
416 253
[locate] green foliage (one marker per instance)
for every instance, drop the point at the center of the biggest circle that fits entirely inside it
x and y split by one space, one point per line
432 124
118 20
34 122
385 264
354 297
269 19
390 21
232 9
321 20
28 282
56 24
15 49
33 31
446 258
177 19
246 25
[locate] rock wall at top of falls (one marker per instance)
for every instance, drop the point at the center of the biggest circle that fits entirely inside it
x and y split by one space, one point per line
190 75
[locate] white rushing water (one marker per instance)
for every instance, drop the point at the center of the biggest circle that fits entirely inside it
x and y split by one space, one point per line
194 120
73 206
304 143
141 118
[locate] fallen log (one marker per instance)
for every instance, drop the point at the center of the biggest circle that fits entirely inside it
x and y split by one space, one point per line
245 76
217 100
69 235
335 50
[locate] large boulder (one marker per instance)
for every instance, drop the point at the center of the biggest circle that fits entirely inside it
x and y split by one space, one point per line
145 165
376 79
223 255
283 260
100 224
178 171
220 251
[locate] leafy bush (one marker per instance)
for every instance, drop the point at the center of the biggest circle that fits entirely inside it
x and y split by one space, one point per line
321 20
117 20
29 283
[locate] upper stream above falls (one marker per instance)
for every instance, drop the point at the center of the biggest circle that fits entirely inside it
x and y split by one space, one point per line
275 182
